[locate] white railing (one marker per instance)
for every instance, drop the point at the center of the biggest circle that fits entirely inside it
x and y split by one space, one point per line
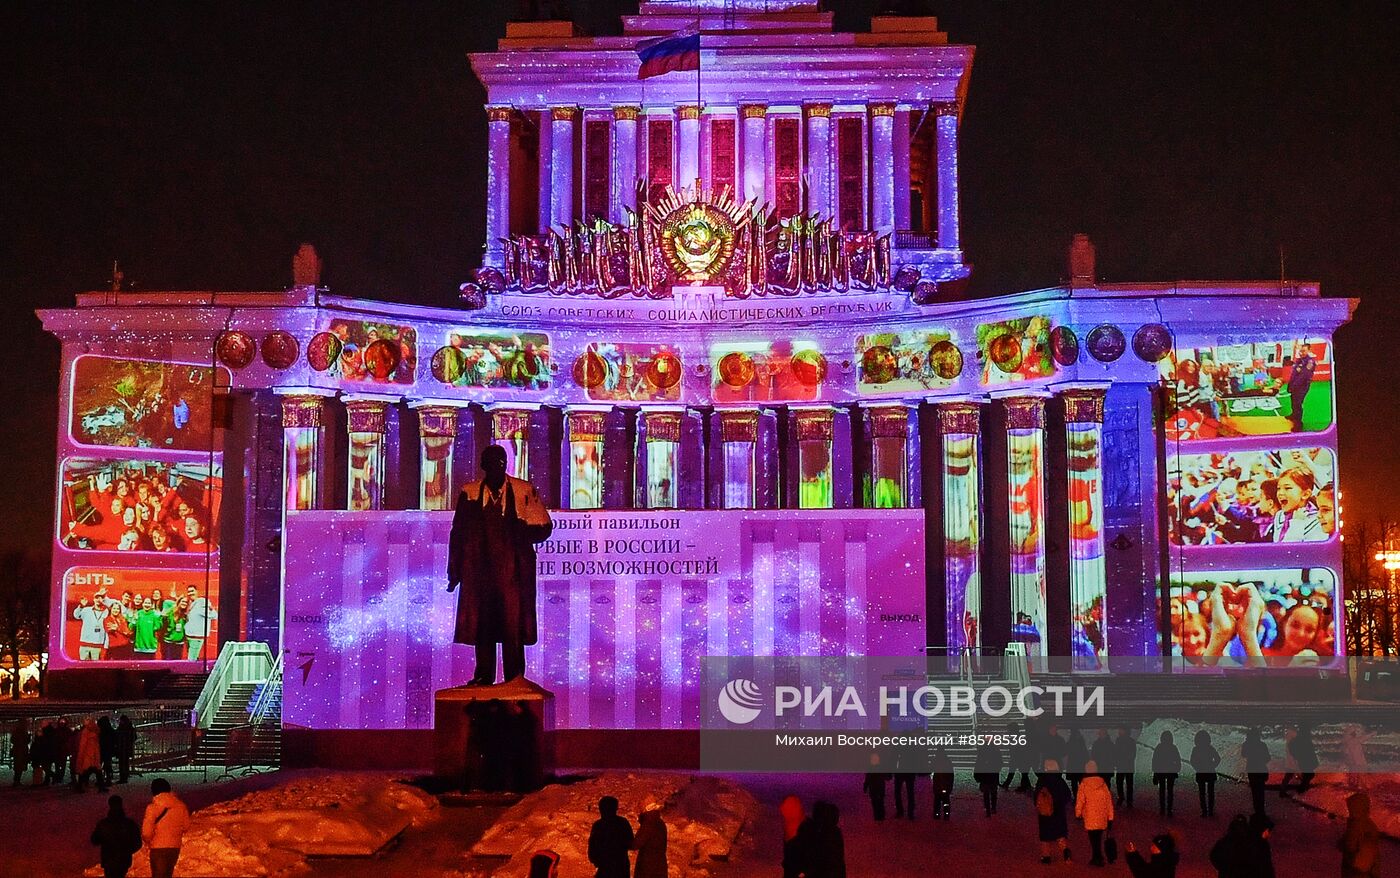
239 662
262 705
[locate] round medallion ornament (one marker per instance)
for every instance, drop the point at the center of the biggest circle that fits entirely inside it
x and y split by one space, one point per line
945 359
382 357
323 350
236 349
1152 342
1106 343
1005 352
809 367
878 365
472 296
491 279
906 279
736 370
590 370
664 370
697 242
925 292
448 365
279 349
1064 345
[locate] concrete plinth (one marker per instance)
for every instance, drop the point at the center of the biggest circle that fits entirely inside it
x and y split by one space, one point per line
494 737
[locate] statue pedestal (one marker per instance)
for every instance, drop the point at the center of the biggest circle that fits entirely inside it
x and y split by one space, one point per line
494 738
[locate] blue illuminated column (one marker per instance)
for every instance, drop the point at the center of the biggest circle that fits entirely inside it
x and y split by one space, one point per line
882 173
815 430
365 468
902 207
661 437
624 169
545 152
946 152
818 165
687 145
437 433
1088 582
302 416
510 429
755 144
497 182
584 486
1025 460
738 436
960 426
561 166
888 479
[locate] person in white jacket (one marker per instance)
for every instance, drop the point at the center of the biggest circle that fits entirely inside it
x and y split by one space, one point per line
163 828
1094 805
197 623
92 638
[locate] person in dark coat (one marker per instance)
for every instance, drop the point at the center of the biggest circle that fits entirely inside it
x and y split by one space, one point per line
39 758
491 555
610 841
822 845
1103 754
1166 765
1205 760
1256 765
874 787
118 837
1244 850
65 747
1302 752
125 743
1125 748
1052 798
943 780
19 748
904 786
1162 863
1299 383
1020 758
1076 754
793 819
650 844
106 745
986 771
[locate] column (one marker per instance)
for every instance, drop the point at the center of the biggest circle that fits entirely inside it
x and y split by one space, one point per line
497 183
814 429
437 434
818 174
887 482
754 118
959 424
738 437
1025 462
624 177
1088 584
900 176
946 149
585 429
687 145
546 167
661 439
561 166
882 170
302 417
365 464
510 428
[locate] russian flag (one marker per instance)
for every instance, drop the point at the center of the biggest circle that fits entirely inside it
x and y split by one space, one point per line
679 51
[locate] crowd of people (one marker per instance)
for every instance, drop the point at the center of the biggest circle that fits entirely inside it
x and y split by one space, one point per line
152 626
101 750
1250 618
139 512
1252 497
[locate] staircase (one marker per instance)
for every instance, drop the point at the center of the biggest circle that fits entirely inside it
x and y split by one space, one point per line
231 738
172 688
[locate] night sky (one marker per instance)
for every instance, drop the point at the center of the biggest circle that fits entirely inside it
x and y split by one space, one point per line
200 145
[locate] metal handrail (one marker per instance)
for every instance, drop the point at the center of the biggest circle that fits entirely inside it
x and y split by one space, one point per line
239 662
262 705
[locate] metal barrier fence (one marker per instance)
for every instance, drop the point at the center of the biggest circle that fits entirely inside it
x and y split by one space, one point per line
164 737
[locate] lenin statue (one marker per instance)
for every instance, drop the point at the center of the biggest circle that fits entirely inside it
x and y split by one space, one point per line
491 555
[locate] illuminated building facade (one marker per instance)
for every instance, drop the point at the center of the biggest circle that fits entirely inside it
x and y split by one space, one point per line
720 324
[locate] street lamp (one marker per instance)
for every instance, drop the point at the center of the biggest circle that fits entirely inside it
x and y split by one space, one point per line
1390 559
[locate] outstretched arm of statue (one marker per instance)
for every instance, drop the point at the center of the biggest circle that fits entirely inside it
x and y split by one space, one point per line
535 518
455 541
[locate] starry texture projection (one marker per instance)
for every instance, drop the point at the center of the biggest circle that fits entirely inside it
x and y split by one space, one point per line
621 645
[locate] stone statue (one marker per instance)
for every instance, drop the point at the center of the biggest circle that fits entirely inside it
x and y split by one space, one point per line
491 555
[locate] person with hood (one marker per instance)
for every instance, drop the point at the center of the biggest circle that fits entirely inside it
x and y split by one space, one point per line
1244 850
1052 798
650 844
125 747
874 787
1125 748
1205 760
88 758
65 745
943 779
19 748
823 847
609 841
1094 806
1360 844
106 745
118 837
1302 757
163 828
986 771
1166 765
1163 862
791 812
1256 765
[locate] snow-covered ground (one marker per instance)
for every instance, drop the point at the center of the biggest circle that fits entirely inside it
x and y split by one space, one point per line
271 832
703 815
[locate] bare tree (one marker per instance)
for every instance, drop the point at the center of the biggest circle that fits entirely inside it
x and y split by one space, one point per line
24 605
1372 592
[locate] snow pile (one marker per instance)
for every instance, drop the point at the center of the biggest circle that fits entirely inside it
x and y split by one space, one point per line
1384 791
703 815
271 832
